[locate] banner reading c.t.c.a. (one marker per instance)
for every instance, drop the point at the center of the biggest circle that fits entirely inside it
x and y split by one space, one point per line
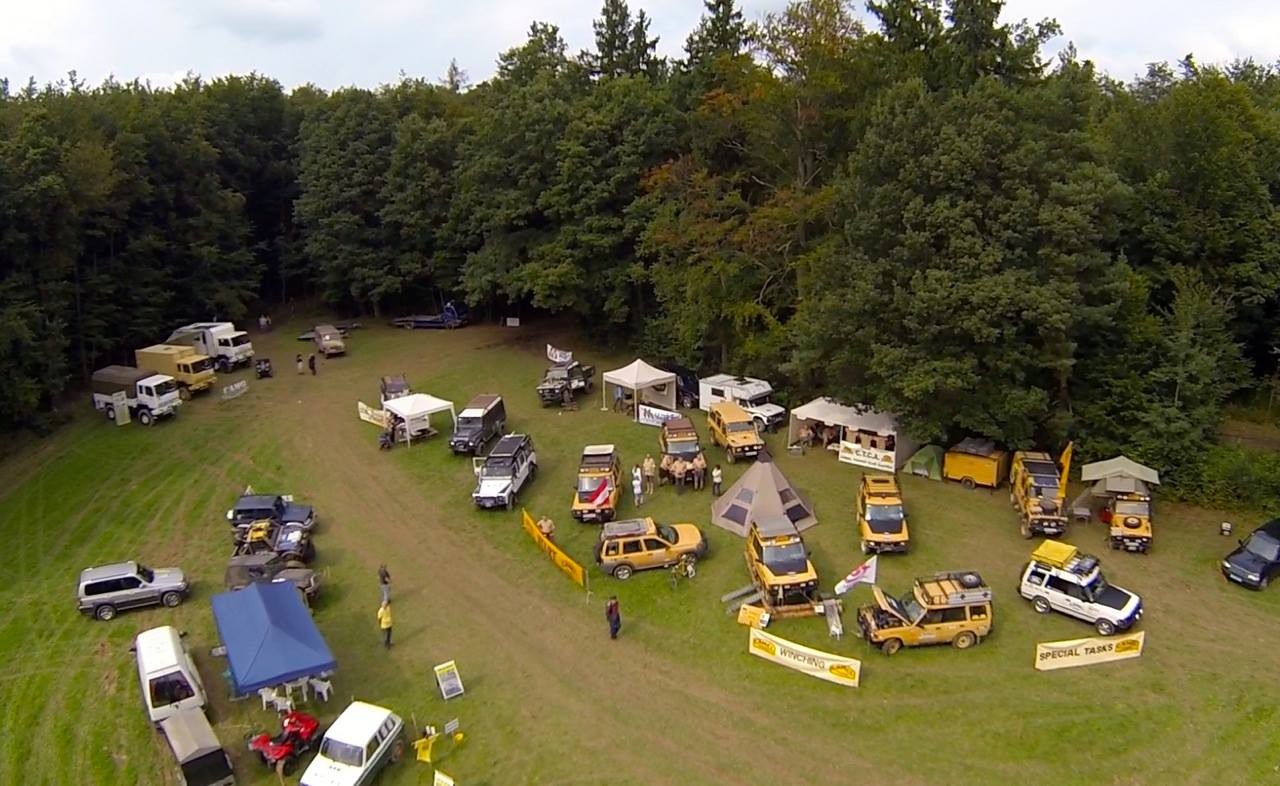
1052 655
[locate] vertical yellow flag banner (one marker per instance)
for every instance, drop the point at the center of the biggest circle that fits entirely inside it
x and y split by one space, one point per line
576 573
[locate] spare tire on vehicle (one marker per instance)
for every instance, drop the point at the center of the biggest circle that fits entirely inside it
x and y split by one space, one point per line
970 580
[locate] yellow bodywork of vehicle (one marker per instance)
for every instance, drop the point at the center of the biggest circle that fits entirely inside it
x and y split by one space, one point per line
1130 525
949 608
732 428
882 519
779 566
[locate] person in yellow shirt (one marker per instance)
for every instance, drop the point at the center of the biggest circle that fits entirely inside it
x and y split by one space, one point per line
384 622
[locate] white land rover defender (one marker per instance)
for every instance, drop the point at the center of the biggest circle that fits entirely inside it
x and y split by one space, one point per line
1060 578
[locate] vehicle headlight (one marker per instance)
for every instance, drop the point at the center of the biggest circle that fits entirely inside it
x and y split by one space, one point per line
1252 576
1226 565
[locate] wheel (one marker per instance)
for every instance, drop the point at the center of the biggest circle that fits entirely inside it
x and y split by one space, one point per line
1105 627
1115 543
293 563
964 640
223 366
967 483
145 417
1264 581
623 572
1025 529
397 751
1012 499
171 599
106 612
891 646
1041 605
309 551
970 580
110 412
533 471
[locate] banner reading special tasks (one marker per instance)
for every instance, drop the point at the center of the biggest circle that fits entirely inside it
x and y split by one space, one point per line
649 415
1052 655
815 663
576 573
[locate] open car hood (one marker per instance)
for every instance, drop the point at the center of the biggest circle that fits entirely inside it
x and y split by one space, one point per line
884 605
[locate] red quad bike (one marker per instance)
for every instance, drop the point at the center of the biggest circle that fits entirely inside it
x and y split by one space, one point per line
298 734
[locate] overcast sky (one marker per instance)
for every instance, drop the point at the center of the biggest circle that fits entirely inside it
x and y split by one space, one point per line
332 43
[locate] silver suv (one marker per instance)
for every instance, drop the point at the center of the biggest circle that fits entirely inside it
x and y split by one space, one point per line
106 589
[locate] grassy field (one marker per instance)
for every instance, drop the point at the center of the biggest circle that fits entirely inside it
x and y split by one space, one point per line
550 699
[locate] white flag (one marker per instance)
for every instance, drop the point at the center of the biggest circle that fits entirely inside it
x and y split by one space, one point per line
864 574
559 355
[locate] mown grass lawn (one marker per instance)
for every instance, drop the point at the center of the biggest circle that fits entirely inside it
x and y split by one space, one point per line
549 699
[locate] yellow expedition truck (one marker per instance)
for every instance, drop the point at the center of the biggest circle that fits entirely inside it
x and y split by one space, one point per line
732 428
780 569
882 520
946 608
599 488
191 370
1039 491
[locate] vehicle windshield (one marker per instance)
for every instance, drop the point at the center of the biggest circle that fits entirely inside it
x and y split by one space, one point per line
342 752
908 608
589 485
201 365
1097 587
757 401
467 424
885 518
741 427
240 340
557 374
1263 545
1044 487
146 574
683 446
669 534
168 386
786 558
1133 508
170 688
496 468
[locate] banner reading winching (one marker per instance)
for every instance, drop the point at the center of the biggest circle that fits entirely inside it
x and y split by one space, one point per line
815 663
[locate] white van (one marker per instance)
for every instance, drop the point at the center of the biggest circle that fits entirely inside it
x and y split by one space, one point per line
167 674
751 394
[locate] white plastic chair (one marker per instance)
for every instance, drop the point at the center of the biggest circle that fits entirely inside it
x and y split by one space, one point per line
321 688
268 695
298 684
283 704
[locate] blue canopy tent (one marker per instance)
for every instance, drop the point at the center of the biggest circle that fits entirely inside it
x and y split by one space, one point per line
269 635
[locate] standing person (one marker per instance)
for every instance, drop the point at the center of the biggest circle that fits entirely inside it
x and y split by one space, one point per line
650 469
384 582
301 368
665 474
384 622
637 486
613 613
617 398
262 323
678 468
547 527
717 477
699 472
311 363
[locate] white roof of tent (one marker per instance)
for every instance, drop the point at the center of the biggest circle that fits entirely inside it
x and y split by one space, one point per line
639 374
1120 466
416 405
829 410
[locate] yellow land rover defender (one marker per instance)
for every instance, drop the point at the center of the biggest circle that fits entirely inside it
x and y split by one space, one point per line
779 566
1038 491
599 484
882 521
1129 517
732 428
944 608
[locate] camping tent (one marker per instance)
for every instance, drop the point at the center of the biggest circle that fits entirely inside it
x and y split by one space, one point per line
867 438
1120 475
416 410
644 381
762 494
927 463
269 636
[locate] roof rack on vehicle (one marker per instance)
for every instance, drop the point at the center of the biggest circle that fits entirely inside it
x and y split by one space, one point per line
954 587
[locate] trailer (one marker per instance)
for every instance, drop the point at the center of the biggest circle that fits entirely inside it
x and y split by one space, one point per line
147 395
455 315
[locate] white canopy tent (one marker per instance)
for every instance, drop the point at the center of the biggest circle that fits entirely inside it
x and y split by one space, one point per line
648 384
867 438
415 410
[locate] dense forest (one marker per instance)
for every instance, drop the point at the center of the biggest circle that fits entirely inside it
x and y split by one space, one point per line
924 215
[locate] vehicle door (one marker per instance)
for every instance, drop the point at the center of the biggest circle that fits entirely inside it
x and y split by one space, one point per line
930 628
1067 597
609 552
717 428
133 592
657 553
633 553
950 622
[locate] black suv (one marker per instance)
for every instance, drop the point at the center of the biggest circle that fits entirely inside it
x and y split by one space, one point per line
271 507
1257 560
687 395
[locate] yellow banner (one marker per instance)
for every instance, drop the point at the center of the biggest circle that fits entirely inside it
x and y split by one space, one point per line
368 414
752 616
1052 655
815 663
576 573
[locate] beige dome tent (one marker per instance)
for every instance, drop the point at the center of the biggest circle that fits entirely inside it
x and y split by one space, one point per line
762 494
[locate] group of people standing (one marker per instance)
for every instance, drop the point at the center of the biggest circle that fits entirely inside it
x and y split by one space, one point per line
311 363
647 474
